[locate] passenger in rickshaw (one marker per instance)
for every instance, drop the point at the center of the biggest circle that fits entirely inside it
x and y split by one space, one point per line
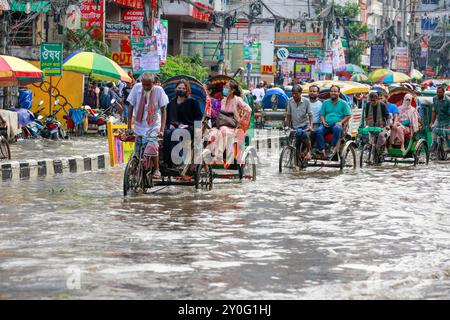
441 113
148 108
212 105
299 116
391 108
233 119
182 112
334 114
377 115
408 123
316 105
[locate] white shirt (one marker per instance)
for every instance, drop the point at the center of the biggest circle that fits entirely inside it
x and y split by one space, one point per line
259 93
160 101
315 108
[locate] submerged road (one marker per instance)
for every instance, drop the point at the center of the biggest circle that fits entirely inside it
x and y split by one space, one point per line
375 233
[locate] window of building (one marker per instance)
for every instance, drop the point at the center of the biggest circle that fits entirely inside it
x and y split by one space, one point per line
22 29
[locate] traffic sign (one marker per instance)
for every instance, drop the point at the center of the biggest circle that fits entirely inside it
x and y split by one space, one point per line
283 53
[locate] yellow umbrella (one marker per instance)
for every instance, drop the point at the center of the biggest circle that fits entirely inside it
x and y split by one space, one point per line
347 87
15 71
416 74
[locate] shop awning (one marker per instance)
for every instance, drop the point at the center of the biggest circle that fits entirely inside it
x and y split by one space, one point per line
34 6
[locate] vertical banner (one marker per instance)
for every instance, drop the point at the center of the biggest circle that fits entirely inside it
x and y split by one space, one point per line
93 18
160 31
338 55
145 55
51 58
377 56
137 29
401 55
251 49
325 65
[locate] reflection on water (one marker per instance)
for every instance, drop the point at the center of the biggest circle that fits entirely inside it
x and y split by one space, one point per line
377 233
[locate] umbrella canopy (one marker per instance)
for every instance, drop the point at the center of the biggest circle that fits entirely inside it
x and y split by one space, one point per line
374 76
347 87
416 74
359 77
95 66
444 80
15 71
275 97
431 83
354 69
394 77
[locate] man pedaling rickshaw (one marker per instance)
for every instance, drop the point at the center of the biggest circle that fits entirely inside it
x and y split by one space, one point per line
376 114
441 114
299 117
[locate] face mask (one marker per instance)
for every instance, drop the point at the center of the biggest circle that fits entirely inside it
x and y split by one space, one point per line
181 93
225 92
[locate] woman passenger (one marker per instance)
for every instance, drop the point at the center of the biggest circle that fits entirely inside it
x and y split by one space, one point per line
408 122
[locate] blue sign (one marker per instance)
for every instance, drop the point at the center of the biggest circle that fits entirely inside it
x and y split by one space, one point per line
429 24
377 56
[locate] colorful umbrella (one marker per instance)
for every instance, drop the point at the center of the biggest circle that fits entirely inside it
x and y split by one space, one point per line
431 82
15 71
416 74
374 76
354 69
359 77
394 77
95 66
347 87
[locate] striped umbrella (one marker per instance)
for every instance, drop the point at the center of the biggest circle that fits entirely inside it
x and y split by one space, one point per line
15 71
394 77
95 66
353 69
376 75
359 77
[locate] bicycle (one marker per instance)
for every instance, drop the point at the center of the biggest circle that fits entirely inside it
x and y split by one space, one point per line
5 152
292 157
370 153
439 152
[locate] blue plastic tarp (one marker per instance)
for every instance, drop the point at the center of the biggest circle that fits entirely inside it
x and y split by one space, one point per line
25 98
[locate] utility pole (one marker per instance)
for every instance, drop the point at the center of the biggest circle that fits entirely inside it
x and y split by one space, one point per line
412 31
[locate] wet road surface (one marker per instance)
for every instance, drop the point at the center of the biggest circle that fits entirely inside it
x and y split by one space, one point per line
379 233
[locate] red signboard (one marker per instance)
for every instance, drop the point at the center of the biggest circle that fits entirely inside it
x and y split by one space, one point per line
201 15
122 58
130 3
132 15
92 16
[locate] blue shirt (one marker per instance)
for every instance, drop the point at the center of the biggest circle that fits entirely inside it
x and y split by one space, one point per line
392 108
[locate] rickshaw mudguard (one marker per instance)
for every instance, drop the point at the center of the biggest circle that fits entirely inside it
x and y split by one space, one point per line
348 144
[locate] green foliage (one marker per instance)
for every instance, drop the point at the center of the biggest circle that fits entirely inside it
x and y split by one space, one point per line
355 51
349 10
356 29
82 40
183 65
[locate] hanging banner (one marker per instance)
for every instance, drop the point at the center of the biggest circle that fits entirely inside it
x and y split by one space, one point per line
137 29
251 49
73 17
51 58
377 56
160 28
302 71
145 55
92 17
401 56
338 55
130 3
299 39
114 30
325 65
132 15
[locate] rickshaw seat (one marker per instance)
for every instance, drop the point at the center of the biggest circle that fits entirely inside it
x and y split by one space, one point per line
328 137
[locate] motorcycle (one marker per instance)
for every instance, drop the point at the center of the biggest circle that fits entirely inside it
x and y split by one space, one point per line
34 128
53 128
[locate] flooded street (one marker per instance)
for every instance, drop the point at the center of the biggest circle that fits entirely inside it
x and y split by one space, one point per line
379 233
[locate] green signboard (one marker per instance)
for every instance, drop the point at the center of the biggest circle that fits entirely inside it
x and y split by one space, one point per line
52 59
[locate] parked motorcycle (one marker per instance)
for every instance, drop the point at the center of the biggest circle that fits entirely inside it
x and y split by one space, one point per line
53 128
33 129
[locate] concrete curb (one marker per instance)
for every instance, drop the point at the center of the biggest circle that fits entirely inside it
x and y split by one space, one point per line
27 169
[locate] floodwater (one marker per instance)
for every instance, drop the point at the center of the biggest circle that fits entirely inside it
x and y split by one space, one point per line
377 233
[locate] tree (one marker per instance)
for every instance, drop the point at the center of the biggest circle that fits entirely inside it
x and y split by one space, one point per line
81 40
183 65
353 30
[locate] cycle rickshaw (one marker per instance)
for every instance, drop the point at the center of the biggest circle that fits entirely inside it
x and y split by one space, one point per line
345 158
416 147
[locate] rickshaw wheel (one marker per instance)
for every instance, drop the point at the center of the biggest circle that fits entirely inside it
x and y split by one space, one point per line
421 156
441 154
366 154
5 153
204 177
248 169
349 158
287 159
131 176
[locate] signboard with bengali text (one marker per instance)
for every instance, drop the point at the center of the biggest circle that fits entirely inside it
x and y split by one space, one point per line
51 59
